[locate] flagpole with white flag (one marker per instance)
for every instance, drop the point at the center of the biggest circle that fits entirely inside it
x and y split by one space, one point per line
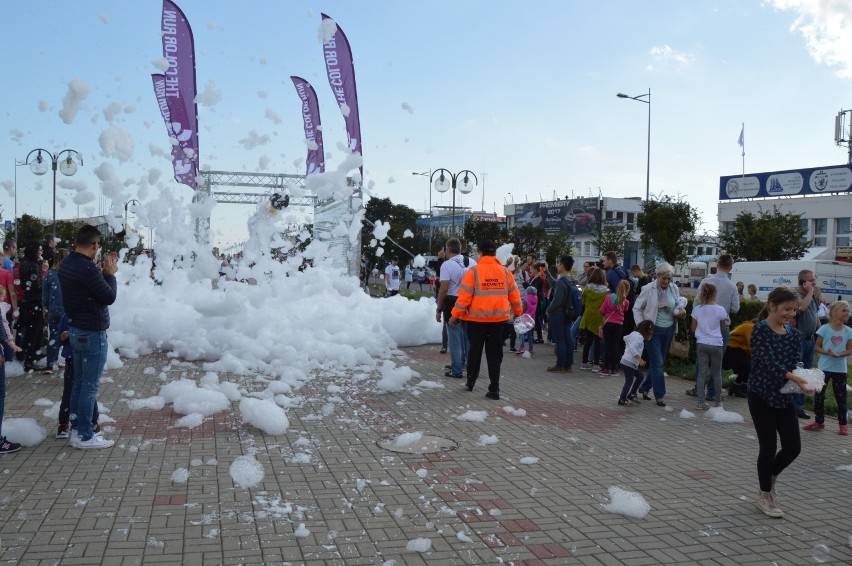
742 145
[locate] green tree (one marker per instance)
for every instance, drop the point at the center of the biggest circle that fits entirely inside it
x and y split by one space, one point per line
400 218
612 239
527 239
769 236
476 231
556 246
669 226
30 229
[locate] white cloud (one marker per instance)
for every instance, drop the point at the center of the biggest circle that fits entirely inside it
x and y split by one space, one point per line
210 95
826 26
254 139
78 90
665 54
273 116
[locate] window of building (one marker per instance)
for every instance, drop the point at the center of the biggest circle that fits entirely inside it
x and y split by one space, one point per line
841 231
820 232
803 225
631 220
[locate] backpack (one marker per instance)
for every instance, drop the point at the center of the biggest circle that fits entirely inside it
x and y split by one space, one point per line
568 305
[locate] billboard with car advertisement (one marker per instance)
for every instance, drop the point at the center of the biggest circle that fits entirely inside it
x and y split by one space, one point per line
574 216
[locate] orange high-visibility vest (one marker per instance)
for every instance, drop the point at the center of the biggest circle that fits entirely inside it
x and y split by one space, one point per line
487 293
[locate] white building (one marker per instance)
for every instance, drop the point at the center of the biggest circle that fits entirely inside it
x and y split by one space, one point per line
821 195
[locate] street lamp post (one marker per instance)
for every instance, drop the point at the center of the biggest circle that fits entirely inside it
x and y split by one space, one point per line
642 98
447 180
128 203
67 166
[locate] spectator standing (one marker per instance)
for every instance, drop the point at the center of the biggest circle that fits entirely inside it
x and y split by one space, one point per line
48 249
487 298
392 277
51 298
6 446
775 349
740 286
613 311
530 309
10 250
631 361
565 294
807 322
709 321
87 292
31 309
834 345
727 297
409 276
752 292
593 297
640 278
452 271
658 303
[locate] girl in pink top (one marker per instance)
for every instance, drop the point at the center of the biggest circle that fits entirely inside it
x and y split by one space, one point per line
613 309
530 307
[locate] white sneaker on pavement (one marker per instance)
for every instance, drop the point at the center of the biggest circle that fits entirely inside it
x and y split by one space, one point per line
94 442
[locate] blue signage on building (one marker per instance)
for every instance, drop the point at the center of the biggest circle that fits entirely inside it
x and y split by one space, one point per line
813 181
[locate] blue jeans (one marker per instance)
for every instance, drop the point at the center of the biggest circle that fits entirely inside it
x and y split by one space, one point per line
527 337
53 343
575 332
561 330
658 349
459 345
90 354
808 361
711 387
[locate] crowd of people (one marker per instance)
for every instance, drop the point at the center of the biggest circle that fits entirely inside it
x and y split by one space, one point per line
57 301
627 322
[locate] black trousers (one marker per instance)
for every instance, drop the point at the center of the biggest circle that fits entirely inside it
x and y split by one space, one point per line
770 424
33 330
67 386
490 336
739 361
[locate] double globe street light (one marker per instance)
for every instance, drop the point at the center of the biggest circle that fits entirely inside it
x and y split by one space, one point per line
66 166
447 180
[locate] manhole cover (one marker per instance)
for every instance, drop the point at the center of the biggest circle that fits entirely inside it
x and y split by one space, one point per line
423 444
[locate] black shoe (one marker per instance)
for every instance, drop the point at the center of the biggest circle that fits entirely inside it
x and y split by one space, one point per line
469 385
632 397
493 395
33 367
691 392
448 373
645 396
803 415
6 447
444 350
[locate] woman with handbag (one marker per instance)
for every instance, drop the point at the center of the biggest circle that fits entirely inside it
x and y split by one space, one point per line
613 309
658 303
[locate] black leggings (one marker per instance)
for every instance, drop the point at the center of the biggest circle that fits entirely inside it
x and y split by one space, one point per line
612 350
592 339
770 423
838 383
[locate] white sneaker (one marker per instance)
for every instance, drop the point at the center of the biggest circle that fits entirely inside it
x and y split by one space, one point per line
94 442
74 438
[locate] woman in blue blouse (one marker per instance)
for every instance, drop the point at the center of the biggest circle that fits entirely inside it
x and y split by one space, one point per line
775 351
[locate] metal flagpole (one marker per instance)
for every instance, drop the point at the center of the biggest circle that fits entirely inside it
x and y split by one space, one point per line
742 145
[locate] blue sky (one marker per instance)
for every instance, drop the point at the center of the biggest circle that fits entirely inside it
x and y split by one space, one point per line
525 95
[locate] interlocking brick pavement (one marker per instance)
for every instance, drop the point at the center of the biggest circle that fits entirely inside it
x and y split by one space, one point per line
361 505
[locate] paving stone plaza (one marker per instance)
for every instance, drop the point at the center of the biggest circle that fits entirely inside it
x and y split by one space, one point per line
332 495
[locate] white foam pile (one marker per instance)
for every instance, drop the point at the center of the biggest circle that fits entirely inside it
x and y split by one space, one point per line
719 414
627 503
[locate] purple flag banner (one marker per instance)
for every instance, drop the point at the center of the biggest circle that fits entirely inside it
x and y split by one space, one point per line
341 78
311 118
182 165
179 90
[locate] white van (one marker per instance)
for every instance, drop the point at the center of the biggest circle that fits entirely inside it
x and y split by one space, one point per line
834 278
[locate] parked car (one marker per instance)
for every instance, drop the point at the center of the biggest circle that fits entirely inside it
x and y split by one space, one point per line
578 220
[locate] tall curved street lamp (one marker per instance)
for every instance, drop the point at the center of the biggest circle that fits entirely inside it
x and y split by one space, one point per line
644 98
447 180
641 98
66 166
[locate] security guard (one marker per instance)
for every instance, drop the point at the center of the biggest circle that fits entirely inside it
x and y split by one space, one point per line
487 297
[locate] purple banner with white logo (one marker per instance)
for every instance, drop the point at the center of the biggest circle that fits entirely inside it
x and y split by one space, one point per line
341 78
180 91
183 167
313 131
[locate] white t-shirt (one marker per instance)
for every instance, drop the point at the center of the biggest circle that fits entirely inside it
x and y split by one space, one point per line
707 329
392 273
452 270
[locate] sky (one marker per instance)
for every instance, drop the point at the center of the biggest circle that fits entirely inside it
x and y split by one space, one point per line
523 97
